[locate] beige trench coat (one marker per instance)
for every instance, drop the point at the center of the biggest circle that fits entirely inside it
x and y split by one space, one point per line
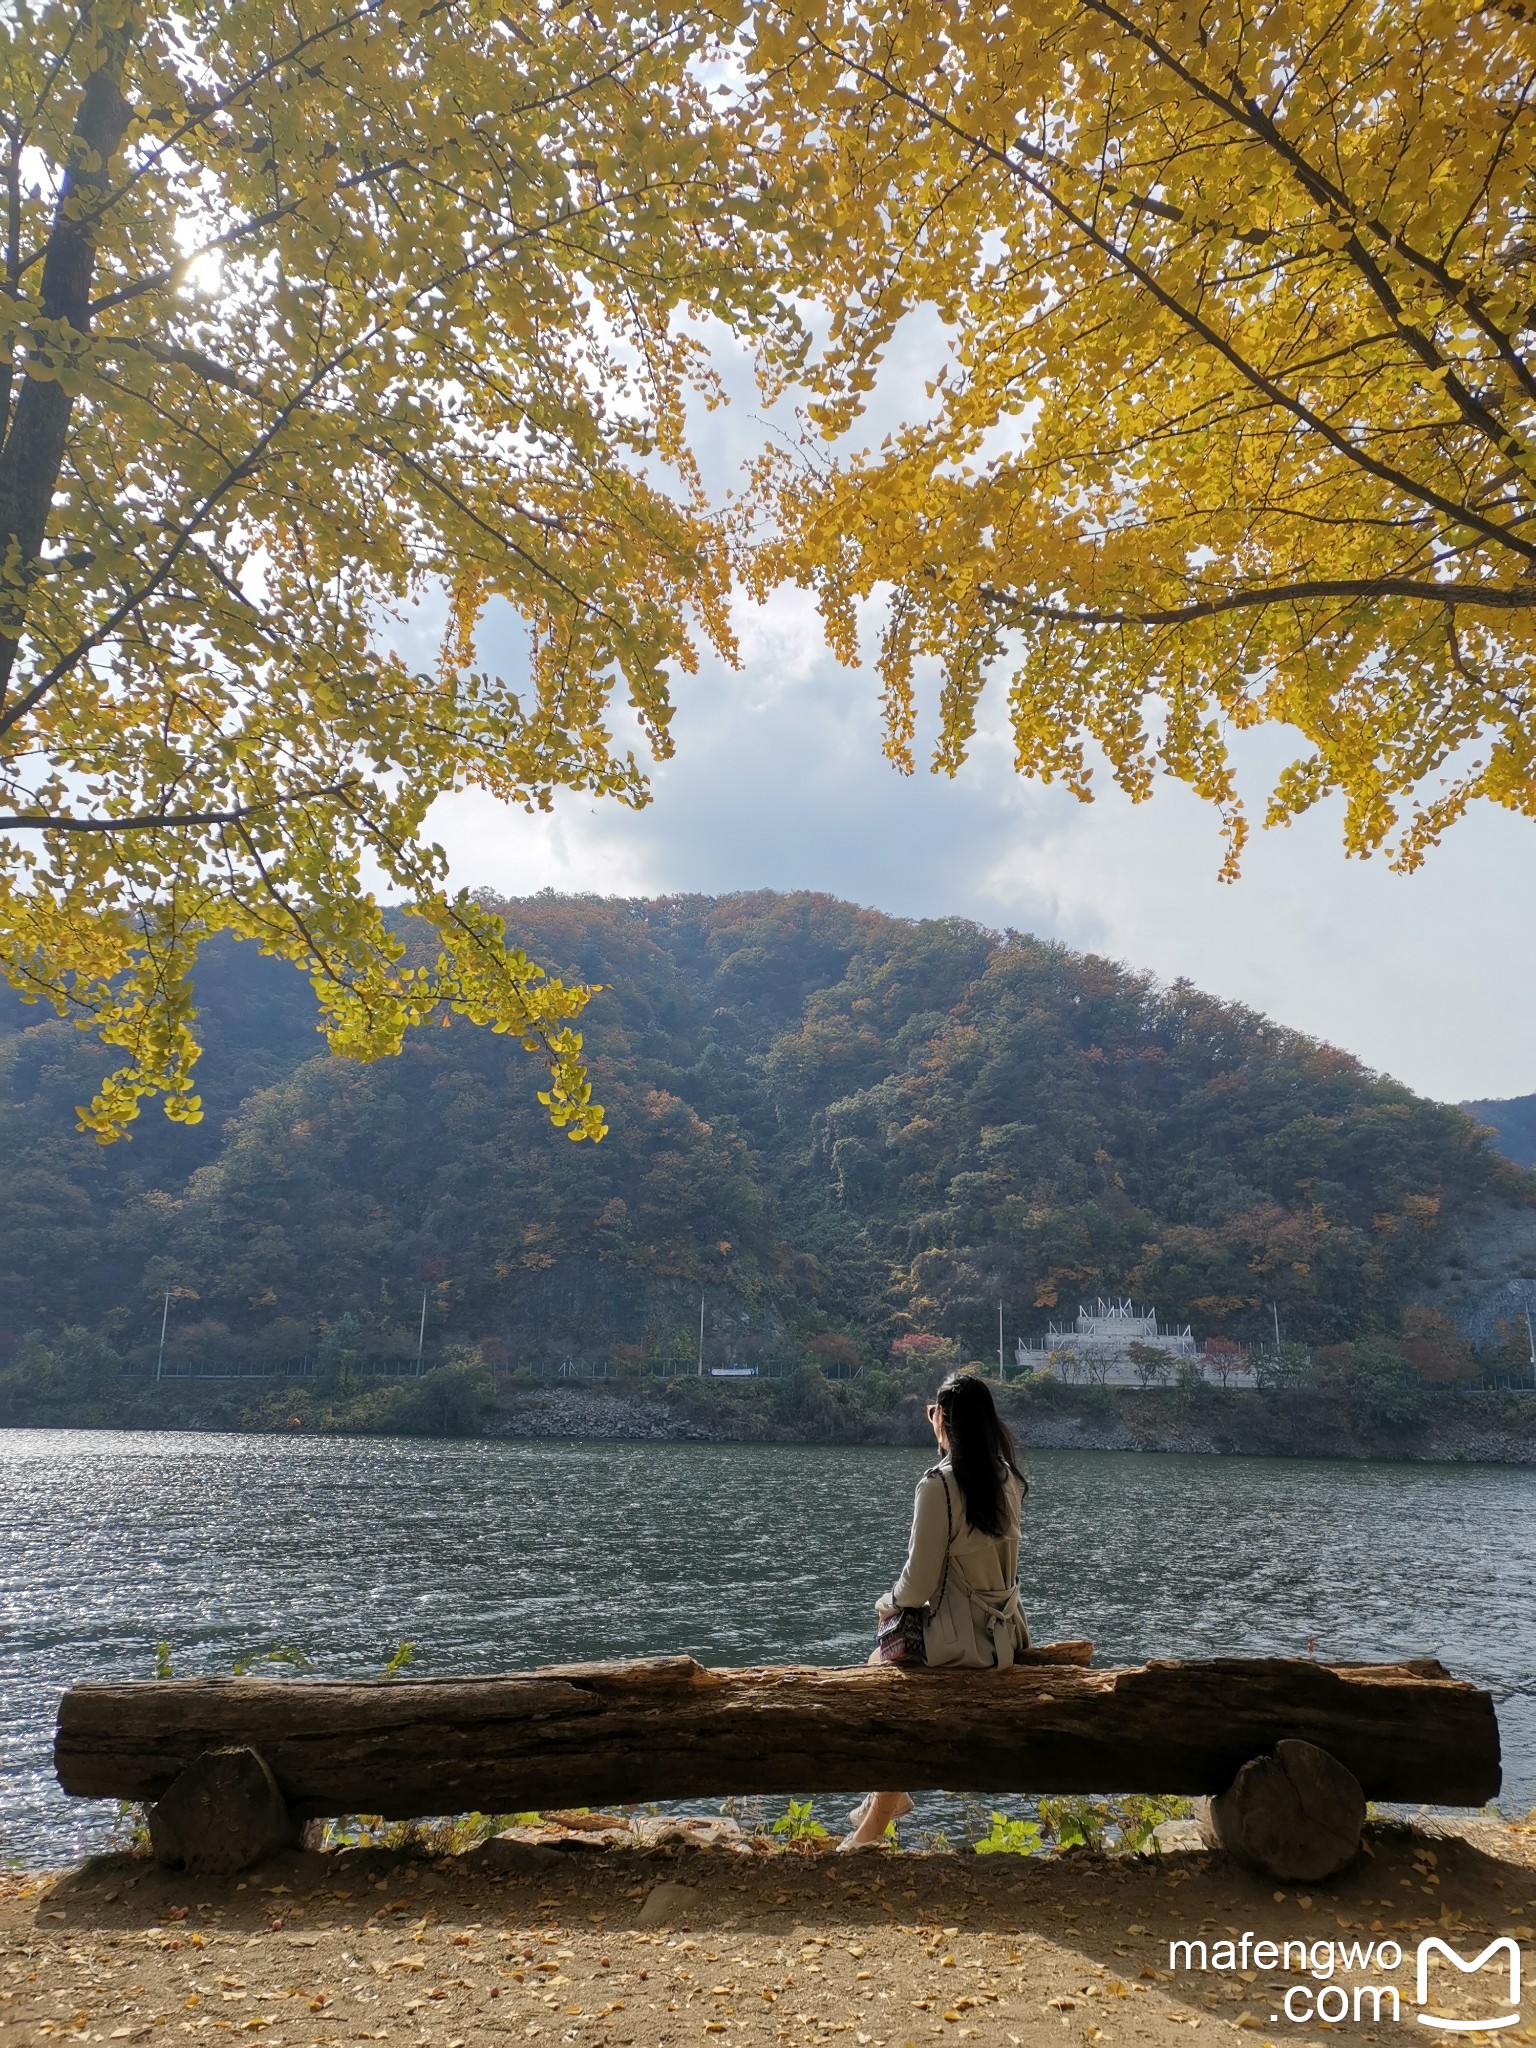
974 1617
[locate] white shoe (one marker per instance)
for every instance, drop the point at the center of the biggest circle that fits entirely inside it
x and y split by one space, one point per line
861 1813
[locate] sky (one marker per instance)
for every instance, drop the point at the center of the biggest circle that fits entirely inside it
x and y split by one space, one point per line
779 782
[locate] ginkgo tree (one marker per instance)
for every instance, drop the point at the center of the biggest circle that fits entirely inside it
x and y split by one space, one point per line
311 308
1235 419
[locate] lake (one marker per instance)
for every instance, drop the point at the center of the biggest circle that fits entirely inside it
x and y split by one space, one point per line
494 1555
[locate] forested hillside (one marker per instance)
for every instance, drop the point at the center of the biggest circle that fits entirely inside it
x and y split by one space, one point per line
1512 1119
839 1126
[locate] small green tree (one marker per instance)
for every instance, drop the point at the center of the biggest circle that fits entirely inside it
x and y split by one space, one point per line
1093 1366
88 1361
1153 1366
1512 1361
1375 1381
454 1396
341 1357
1283 1365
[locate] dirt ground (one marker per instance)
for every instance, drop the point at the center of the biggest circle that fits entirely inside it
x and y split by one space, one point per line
598 1946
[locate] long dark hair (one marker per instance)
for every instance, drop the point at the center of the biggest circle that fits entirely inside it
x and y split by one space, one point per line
981 1448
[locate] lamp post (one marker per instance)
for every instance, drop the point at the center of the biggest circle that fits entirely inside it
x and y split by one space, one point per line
165 1316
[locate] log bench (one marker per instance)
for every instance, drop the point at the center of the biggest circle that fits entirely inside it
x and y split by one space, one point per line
1290 1748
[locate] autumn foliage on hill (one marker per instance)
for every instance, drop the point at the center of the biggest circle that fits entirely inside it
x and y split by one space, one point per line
846 1130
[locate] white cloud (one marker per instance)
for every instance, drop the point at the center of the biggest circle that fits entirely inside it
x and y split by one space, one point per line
779 782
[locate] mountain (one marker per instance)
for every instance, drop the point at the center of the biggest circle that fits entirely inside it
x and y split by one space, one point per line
1513 1123
838 1127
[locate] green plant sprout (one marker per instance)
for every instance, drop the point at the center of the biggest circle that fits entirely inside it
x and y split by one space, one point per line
799 1824
1011 1838
1126 1826
280 1653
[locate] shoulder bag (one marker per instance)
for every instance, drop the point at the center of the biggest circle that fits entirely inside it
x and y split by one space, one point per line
899 1638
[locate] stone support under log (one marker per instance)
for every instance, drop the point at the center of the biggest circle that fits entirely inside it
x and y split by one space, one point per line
221 1814
1296 1815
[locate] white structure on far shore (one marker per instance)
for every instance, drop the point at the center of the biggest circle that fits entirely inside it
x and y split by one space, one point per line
1096 1350
1106 1332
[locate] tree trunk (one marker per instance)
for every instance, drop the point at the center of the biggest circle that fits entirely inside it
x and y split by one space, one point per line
35 433
665 1728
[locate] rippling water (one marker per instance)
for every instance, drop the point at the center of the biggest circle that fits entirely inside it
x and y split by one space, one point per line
494 1556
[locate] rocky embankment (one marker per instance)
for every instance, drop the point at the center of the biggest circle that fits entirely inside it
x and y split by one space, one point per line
1481 1429
615 1417
1452 1436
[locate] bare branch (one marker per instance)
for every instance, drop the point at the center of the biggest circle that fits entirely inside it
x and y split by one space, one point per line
171 821
1450 596
188 359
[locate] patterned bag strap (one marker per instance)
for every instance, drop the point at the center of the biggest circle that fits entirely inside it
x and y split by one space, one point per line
949 1533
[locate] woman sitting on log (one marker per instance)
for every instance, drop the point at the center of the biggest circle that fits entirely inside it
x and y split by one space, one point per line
957 1599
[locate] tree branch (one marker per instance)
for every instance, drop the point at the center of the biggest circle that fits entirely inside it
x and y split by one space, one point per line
170 821
1452 596
34 444
1462 515
12 259
189 359
1249 114
175 273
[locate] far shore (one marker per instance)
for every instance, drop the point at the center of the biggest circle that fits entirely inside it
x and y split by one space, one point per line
1442 1426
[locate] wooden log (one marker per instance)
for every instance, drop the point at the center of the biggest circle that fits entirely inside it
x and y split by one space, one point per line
665 1728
